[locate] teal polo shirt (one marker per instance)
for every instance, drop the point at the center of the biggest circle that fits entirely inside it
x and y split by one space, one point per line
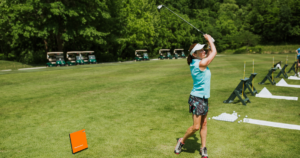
201 80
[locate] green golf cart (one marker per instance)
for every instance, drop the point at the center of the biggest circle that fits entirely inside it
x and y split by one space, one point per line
55 59
89 57
74 58
138 55
176 55
163 54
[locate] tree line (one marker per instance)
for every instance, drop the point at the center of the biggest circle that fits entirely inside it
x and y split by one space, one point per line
114 29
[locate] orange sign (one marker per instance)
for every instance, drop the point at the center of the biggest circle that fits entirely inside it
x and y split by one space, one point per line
78 141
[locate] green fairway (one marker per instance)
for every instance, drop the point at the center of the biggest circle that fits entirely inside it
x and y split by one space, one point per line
10 65
140 109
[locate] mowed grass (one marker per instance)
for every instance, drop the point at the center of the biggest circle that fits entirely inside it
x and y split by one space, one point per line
12 65
140 109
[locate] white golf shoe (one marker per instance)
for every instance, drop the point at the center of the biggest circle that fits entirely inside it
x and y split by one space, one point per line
203 152
178 146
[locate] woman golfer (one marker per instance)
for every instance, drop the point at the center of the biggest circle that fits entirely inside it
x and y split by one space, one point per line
198 101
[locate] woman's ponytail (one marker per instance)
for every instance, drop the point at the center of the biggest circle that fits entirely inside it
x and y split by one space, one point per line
189 59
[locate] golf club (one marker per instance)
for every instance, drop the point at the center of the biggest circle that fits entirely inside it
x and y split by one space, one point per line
160 6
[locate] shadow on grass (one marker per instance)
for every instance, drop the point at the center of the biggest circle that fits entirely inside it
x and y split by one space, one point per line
236 101
191 145
267 83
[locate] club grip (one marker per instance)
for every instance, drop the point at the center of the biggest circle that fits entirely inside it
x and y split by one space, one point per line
213 40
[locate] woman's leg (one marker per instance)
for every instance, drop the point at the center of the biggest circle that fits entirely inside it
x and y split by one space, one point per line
203 131
191 130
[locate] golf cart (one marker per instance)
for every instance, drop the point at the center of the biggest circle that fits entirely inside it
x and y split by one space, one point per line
55 59
138 55
176 54
74 58
89 57
164 54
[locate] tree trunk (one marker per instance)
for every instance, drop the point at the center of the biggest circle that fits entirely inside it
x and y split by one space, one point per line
59 42
46 45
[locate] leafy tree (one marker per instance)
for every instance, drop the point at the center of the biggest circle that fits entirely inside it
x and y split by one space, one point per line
246 38
133 27
114 29
54 24
294 19
173 32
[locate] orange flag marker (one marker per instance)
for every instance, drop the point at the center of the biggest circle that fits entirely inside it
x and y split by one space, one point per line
78 141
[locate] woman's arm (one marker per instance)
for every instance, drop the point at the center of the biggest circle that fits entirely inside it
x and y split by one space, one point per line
208 51
210 54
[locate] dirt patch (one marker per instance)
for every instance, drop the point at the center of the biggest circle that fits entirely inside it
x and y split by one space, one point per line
283 52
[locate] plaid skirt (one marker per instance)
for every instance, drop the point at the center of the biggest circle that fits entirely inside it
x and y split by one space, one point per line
198 106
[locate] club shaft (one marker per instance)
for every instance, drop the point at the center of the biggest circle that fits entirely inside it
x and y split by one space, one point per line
185 20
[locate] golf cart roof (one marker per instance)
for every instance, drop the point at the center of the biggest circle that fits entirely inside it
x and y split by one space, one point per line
87 52
57 53
140 50
178 50
162 50
54 53
74 52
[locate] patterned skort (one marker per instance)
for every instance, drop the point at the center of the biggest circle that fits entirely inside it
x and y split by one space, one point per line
198 106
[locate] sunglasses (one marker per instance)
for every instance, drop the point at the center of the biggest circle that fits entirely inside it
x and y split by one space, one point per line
202 50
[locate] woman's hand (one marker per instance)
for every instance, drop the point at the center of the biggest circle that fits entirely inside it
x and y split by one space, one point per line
208 38
210 55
